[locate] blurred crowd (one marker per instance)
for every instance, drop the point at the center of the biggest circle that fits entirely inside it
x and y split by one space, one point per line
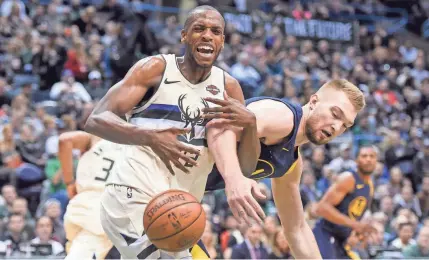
58 58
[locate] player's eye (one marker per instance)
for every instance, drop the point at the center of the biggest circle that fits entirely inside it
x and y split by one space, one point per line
217 31
198 29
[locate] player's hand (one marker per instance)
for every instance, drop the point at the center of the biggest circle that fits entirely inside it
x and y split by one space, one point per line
164 143
231 111
71 190
241 200
364 228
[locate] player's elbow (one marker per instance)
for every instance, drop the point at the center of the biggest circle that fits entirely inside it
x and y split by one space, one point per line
91 124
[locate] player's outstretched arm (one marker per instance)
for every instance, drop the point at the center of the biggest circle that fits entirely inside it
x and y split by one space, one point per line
67 143
233 114
288 202
222 143
106 119
335 194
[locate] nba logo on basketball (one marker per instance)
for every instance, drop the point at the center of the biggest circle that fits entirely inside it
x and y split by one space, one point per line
212 89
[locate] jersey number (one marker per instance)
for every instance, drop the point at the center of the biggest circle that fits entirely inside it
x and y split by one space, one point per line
109 163
195 158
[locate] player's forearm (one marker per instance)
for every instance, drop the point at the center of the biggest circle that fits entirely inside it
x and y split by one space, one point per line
223 146
302 243
249 149
111 127
333 215
65 155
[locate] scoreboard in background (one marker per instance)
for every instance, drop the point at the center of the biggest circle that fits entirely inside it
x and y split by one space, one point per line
314 29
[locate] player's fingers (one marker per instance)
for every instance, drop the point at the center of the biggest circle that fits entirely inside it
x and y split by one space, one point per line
257 192
187 159
253 209
180 166
188 149
217 101
218 115
242 214
168 165
216 109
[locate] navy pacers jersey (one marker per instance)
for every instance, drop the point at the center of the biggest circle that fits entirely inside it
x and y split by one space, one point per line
275 160
353 205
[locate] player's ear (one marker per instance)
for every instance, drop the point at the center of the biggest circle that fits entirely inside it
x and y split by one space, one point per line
314 99
182 36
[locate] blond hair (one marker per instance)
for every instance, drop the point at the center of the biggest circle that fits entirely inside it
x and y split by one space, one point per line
354 94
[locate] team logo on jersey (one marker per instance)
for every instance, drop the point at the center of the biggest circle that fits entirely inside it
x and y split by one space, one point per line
357 207
212 89
191 114
264 170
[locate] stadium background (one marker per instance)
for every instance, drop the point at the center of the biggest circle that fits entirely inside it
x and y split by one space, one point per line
57 58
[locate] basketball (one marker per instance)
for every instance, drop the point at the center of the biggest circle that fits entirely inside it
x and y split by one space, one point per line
174 220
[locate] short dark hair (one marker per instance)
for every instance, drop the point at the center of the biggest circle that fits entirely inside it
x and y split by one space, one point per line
368 146
196 11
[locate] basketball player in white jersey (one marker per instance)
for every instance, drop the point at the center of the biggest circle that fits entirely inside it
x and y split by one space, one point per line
84 232
166 145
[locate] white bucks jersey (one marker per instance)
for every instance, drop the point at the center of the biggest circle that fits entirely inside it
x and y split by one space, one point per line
176 103
95 166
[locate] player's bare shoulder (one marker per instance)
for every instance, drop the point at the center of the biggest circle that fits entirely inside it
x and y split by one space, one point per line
147 72
346 181
233 88
275 119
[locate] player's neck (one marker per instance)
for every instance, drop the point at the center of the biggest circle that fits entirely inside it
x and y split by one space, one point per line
193 72
365 177
301 138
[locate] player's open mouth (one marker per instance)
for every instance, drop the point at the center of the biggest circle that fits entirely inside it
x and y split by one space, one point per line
326 133
205 50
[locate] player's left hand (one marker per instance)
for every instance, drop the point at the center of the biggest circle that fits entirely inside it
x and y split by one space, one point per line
71 190
241 195
231 111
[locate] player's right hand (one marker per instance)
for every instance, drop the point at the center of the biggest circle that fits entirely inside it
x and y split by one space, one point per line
241 201
164 143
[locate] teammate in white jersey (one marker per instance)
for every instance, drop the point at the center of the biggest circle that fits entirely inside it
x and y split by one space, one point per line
84 232
161 96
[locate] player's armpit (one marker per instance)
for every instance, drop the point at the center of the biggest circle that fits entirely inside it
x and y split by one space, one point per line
335 194
287 199
122 98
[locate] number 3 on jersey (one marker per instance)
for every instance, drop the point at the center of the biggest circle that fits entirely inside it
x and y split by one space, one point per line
107 168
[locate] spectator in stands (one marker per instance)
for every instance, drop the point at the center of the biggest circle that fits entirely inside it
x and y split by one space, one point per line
406 199
405 236
20 206
280 247
209 240
8 192
421 248
252 247
53 211
423 196
246 74
14 239
31 149
44 230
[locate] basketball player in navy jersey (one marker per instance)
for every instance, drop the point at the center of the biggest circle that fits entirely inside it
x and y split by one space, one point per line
273 144
343 206
166 145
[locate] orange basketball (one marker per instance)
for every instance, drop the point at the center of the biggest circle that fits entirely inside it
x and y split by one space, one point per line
174 220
